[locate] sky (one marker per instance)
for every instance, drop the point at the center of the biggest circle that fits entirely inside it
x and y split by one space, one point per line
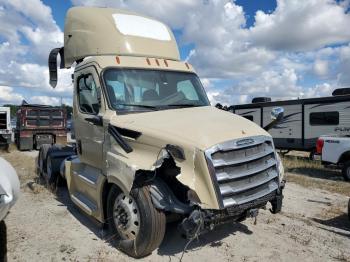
284 49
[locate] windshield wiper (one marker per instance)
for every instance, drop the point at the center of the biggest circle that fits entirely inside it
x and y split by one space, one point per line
182 105
142 106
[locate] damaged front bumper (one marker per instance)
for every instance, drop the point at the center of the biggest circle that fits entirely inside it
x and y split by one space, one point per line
203 220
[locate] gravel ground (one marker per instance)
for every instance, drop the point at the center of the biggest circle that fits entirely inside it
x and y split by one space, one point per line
313 226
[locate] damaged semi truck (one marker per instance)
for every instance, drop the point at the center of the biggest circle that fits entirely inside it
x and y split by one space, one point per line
149 147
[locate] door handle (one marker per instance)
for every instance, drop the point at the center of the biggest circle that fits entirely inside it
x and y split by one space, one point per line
95 120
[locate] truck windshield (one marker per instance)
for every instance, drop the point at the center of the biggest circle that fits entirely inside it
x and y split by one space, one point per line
144 90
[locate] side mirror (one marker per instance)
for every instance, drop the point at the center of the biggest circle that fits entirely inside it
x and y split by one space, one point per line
277 113
52 62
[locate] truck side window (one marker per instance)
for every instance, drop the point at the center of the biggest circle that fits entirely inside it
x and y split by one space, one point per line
324 118
187 88
88 95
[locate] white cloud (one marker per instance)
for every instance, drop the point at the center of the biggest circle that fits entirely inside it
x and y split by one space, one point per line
7 95
343 76
45 100
321 67
30 32
324 89
277 85
302 25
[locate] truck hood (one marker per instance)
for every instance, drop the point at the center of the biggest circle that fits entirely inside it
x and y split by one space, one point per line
201 127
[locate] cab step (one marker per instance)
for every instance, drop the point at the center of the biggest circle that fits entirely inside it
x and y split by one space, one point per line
84 203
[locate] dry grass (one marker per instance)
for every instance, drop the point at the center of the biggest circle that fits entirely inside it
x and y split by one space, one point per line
311 174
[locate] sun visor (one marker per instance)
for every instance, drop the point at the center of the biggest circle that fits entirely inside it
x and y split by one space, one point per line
93 31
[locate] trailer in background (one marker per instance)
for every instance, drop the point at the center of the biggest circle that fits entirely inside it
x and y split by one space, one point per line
40 124
304 119
5 127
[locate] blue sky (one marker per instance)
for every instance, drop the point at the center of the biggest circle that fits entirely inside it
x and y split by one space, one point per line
284 49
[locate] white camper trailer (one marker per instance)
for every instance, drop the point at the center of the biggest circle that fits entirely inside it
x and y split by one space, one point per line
304 119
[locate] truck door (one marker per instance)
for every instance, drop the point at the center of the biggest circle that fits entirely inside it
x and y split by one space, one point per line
88 112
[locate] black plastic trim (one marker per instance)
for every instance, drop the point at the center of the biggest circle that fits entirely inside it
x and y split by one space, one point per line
52 62
128 132
113 131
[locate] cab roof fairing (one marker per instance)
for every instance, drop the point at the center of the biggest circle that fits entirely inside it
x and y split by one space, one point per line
91 31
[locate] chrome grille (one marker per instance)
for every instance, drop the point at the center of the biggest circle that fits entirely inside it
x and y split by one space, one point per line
243 169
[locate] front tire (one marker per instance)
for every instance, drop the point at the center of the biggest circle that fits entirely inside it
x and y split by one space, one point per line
138 226
346 171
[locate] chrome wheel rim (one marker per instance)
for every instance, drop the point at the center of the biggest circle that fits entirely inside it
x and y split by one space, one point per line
126 217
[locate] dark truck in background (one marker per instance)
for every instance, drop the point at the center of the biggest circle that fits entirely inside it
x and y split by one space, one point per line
40 124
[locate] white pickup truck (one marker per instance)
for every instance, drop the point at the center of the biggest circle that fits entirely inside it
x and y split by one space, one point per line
335 151
9 192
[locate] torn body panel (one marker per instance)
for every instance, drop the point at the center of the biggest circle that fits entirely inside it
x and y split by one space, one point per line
148 154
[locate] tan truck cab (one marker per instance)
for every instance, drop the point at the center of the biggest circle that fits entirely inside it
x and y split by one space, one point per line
149 146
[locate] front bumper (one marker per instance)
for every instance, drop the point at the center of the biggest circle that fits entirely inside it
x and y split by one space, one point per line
202 220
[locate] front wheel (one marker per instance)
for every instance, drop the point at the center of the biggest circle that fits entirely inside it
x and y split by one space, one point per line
346 171
138 226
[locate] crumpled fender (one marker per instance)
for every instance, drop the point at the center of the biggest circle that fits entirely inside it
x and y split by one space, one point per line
148 155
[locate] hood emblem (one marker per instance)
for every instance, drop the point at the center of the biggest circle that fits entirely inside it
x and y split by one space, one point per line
243 133
244 142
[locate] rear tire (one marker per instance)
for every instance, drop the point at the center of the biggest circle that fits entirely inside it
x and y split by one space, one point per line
150 222
346 171
42 158
52 175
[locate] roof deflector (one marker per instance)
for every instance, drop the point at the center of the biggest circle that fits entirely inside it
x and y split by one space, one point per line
92 31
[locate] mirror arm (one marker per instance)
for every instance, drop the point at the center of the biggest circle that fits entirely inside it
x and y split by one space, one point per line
271 125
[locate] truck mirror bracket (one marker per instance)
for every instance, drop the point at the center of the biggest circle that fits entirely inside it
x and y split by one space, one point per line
112 130
53 64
